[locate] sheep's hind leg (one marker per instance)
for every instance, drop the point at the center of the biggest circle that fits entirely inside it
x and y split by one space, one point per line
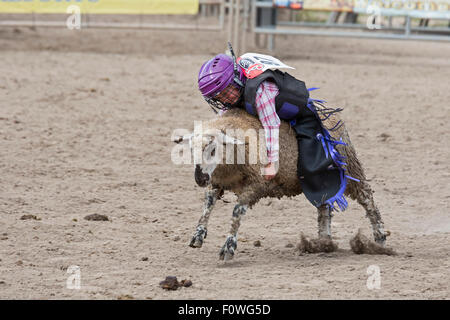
201 232
365 198
228 249
324 222
324 242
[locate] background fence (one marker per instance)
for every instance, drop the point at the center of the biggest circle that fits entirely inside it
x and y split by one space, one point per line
396 19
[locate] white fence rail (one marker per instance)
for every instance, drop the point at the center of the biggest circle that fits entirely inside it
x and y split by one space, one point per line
87 21
333 29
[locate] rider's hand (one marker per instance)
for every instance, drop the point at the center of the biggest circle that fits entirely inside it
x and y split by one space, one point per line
270 171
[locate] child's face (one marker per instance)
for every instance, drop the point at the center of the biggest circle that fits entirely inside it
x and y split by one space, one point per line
229 95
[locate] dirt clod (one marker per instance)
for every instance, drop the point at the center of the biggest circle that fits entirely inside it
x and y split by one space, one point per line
29 217
125 297
186 283
171 283
360 244
316 245
384 136
96 217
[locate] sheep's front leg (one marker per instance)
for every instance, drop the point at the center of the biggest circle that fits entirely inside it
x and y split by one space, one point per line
201 232
228 249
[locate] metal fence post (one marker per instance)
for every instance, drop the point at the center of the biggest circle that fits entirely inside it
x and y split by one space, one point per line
408 26
230 20
236 35
245 25
267 18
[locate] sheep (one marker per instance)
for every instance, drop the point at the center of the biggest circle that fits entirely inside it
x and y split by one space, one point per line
246 181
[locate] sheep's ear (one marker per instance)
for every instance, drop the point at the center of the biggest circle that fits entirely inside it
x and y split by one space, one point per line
183 139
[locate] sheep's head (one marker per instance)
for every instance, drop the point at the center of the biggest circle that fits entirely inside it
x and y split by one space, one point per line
209 149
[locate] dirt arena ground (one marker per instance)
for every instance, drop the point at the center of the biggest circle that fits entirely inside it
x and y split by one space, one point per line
85 124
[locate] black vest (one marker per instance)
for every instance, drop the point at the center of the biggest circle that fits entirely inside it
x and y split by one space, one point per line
291 99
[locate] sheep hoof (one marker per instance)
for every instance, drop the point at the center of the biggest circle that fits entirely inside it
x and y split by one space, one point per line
380 237
227 251
381 242
198 237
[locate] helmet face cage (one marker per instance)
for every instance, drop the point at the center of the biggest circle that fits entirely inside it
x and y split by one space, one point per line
226 95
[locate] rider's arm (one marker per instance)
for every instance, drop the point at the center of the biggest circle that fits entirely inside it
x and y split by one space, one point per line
265 107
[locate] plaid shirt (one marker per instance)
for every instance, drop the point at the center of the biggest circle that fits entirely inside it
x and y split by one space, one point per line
265 107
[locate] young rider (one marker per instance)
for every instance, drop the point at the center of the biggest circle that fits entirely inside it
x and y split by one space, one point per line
251 83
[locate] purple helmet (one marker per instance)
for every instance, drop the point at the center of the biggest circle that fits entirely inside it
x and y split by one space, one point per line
216 74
